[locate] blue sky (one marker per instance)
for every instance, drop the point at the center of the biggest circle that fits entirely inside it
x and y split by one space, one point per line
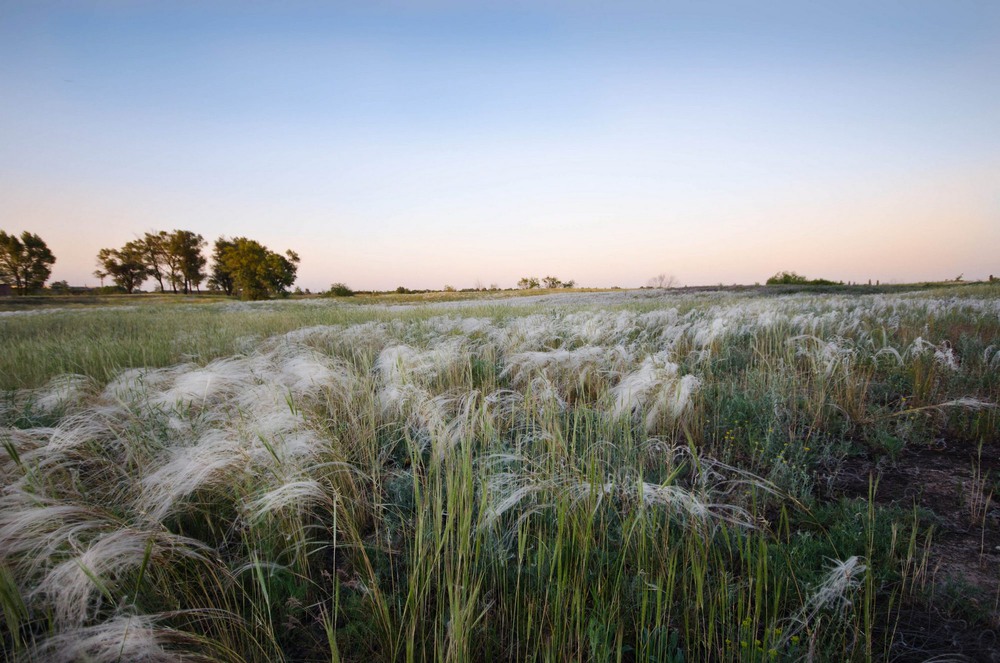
434 143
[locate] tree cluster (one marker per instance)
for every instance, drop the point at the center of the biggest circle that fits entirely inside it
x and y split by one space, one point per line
25 262
791 278
532 282
174 257
240 266
248 269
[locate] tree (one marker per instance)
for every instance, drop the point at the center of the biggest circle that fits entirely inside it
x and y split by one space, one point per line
662 280
25 263
251 270
154 251
791 278
126 266
221 278
552 282
187 263
341 290
528 283
787 278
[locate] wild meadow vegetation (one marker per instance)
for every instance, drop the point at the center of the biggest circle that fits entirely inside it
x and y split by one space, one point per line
629 476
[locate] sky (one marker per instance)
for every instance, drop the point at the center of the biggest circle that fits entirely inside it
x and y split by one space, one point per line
432 143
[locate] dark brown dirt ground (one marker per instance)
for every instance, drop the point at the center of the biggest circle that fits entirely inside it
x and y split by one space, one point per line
961 618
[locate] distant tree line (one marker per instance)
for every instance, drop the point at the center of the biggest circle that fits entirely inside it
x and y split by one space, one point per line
791 278
532 282
241 267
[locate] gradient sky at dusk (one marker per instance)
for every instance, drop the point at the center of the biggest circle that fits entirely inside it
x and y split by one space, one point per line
433 143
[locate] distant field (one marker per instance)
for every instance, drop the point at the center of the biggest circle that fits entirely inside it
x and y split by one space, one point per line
741 474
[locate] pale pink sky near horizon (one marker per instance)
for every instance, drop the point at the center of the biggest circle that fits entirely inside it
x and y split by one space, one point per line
441 144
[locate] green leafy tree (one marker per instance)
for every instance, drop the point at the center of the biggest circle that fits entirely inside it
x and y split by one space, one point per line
341 290
552 282
791 278
528 283
221 279
251 270
126 266
25 263
186 260
787 278
154 250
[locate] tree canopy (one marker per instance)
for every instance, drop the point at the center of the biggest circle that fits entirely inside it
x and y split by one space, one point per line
248 269
187 262
127 266
791 278
25 263
175 257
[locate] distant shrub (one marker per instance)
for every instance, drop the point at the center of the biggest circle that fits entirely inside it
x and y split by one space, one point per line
59 287
791 278
341 290
787 278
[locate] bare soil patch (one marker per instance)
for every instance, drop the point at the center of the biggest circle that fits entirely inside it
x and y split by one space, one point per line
964 619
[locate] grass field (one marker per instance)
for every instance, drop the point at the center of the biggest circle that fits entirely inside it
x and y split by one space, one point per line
606 476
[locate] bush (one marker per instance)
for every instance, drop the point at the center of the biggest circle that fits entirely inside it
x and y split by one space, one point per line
791 278
787 278
341 290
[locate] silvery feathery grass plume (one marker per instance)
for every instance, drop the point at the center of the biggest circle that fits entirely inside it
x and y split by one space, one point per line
400 364
395 399
829 356
19 447
991 356
601 327
312 334
843 577
364 338
530 489
135 384
531 332
73 588
298 494
200 385
507 490
134 638
211 461
690 505
454 420
305 373
706 332
656 386
889 351
943 353
833 593
71 440
544 393
62 391
33 528
503 403
564 369
444 324
969 403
